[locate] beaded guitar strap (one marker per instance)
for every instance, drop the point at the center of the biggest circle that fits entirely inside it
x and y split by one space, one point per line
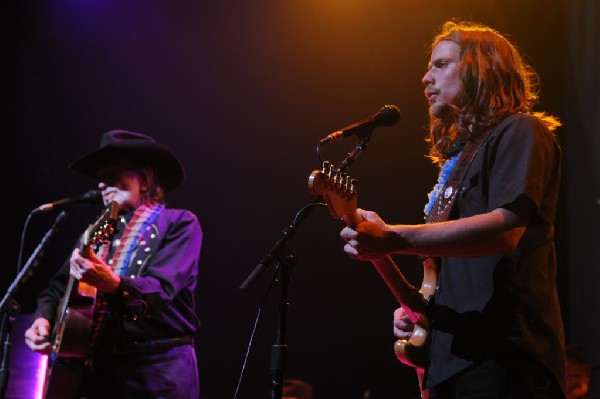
449 192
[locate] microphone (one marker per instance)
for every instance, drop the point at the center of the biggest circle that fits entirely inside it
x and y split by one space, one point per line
89 197
388 115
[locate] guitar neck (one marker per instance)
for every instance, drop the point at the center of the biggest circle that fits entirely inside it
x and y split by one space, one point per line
64 303
339 191
405 293
84 289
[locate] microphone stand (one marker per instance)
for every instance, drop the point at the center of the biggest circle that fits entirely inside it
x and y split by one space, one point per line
279 349
10 308
286 257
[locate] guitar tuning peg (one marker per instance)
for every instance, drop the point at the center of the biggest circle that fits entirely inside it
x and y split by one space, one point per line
326 170
343 183
353 184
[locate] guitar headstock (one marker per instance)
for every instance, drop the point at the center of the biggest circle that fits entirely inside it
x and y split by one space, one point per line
104 228
338 189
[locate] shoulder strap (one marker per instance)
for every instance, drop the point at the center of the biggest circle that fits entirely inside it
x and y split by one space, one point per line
445 201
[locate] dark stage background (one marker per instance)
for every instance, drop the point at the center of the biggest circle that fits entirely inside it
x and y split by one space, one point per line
243 91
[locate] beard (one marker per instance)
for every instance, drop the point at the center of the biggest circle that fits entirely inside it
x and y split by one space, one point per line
441 110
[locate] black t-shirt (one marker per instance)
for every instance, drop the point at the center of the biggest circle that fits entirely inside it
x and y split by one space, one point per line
504 305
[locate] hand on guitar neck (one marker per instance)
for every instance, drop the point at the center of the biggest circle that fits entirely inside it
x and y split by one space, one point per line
371 229
92 271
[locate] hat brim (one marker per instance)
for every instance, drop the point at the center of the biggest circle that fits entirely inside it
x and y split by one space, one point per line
166 166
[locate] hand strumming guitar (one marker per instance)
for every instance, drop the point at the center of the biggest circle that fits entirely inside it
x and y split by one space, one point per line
37 337
403 327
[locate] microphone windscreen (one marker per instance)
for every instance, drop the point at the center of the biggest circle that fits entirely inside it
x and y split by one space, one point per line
388 115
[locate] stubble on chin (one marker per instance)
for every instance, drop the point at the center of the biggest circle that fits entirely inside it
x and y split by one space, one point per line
440 110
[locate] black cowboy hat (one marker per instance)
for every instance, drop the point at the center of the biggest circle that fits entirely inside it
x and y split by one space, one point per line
118 144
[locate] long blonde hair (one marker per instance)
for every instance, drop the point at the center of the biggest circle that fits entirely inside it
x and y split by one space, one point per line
495 82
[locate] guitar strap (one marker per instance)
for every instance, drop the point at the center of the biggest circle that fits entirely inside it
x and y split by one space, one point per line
447 196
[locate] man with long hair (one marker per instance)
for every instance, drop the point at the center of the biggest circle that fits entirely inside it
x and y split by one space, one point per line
494 323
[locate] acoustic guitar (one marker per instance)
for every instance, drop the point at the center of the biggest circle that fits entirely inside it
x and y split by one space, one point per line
339 192
72 331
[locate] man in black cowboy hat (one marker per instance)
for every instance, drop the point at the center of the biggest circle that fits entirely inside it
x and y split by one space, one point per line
143 318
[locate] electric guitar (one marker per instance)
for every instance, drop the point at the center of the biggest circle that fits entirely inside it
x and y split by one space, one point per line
339 191
72 331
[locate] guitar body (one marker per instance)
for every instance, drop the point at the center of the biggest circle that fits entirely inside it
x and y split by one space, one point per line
63 377
413 352
73 326
339 192
72 336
